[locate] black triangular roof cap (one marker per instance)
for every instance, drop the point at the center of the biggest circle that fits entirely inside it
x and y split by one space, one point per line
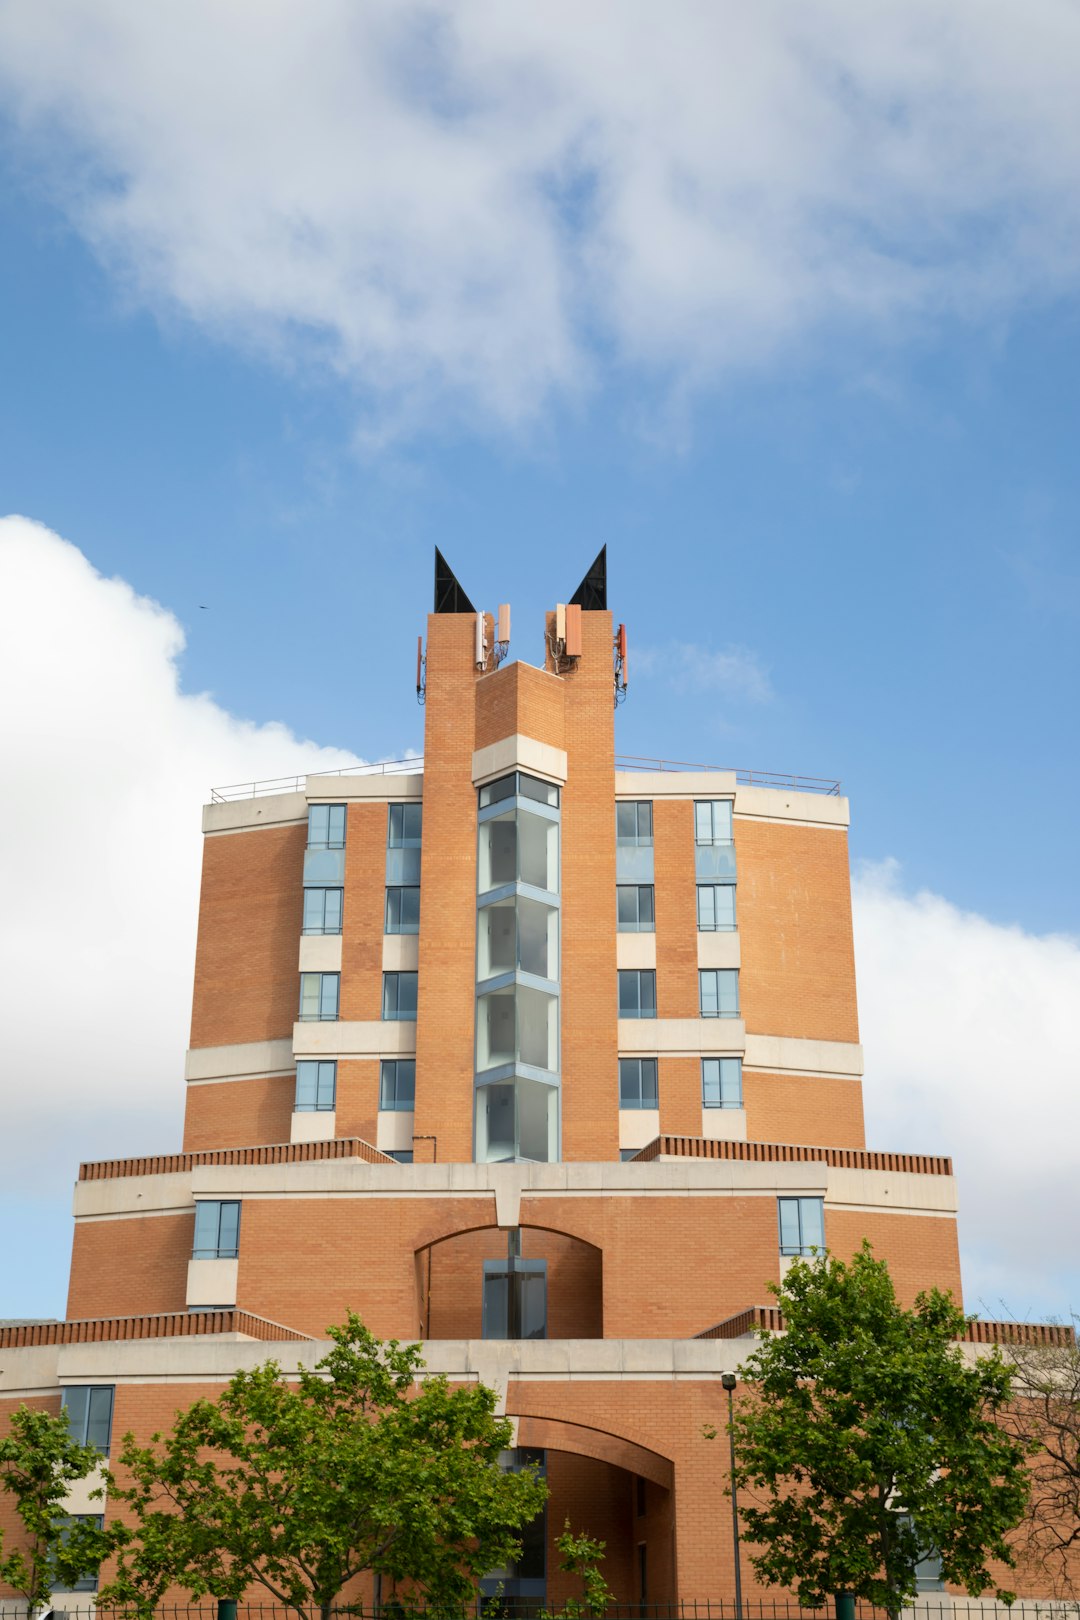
591 594
449 596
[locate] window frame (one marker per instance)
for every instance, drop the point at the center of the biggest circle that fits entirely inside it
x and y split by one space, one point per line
400 831
320 1105
638 839
393 980
716 927
637 927
806 1247
399 890
389 1069
322 1016
721 1099
331 840
728 834
640 974
643 1099
85 1427
324 892
218 1250
720 1012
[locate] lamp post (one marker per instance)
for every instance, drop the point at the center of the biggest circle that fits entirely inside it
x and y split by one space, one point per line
728 1381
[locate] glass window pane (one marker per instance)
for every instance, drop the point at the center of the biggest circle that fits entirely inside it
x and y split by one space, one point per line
650 1096
494 1317
317 822
531 787
336 826
714 862
628 993
495 1029
207 1219
328 994
75 1403
647 993
537 1121
307 1085
495 1123
309 995
405 826
494 792
790 1242
537 1028
532 1303
99 1418
812 1217
229 1231
538 938
646 921
332 914
629 1082
498 853
497 940
538 851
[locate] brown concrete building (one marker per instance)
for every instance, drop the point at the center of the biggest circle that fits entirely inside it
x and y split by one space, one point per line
548 1059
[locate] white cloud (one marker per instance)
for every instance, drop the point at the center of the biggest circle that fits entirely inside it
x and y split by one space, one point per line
479 200
973 1049
736 672
106 763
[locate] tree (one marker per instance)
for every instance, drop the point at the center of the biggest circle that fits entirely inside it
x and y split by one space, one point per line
1045 1417
870 1443
39 1462
299 1486
580 1555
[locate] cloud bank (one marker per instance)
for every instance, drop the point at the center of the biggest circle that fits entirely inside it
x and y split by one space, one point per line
105 764
971 1043
969 1026
501 204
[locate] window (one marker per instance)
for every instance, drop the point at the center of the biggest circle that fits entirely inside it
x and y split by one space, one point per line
628 1153
326 826
88 1409
217 1229
397 1085
714 851
521 786
633 823
322 911
399 1155
316 1087
715 907
637 1083
637 993
802 1225
399 995
515 1299
721 1082
517 1121
635 908
719 991
403 911
406 826
319 996
66 1523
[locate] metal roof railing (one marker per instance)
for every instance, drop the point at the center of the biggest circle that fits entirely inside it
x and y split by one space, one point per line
295 784
770 779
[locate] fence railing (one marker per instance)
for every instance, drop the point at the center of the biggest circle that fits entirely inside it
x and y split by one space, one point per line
748 778
296 784
932 1606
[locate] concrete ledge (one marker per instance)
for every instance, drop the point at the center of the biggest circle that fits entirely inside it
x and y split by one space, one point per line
339 789
247 815
635 951
782 804
782 1054
708 1037
519 753
320 953
674 784
401 953
343 1039
248 1061
719 950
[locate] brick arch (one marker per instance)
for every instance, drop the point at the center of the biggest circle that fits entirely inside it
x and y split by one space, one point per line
449 1273
433 1242
557 1434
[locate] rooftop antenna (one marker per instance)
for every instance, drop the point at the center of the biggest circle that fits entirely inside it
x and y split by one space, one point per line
502 633
421 672
621 670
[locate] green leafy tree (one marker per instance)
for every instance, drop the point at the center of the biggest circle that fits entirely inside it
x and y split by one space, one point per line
580 1555
870 1442
39 1462
301 1485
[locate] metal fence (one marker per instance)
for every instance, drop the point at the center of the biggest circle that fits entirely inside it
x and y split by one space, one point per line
933 1606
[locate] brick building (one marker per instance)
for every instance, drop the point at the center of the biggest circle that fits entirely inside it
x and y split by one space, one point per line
547 1059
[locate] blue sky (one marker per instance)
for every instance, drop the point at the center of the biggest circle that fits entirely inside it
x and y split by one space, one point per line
815 387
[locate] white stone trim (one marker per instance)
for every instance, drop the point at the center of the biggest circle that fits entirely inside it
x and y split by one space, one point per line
519 753
320 953
638 1127
249 815
312 1125
721 949
249 1060
133 1195
681 1037
212 1282
394 1131
723 1124
401 953
635 950
784 1054
674 784
342 1039
390 789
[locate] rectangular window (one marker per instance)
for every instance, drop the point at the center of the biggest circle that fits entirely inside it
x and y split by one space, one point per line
637 993
515 1299
403 911
715 907
802 1225
85 1583
712 821
89 1409
319 996
326 826
628 1153
322 911
399 996
316 1086
719 991
635 908
397 1085
637 1083
217 1229
406 826
633 823
399 1155
721 1082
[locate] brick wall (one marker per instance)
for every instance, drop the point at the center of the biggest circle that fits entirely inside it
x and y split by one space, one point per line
798 958
922 1250
363 911
676 909
357 1098
803 1109
250 915
131 1265
239 1113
